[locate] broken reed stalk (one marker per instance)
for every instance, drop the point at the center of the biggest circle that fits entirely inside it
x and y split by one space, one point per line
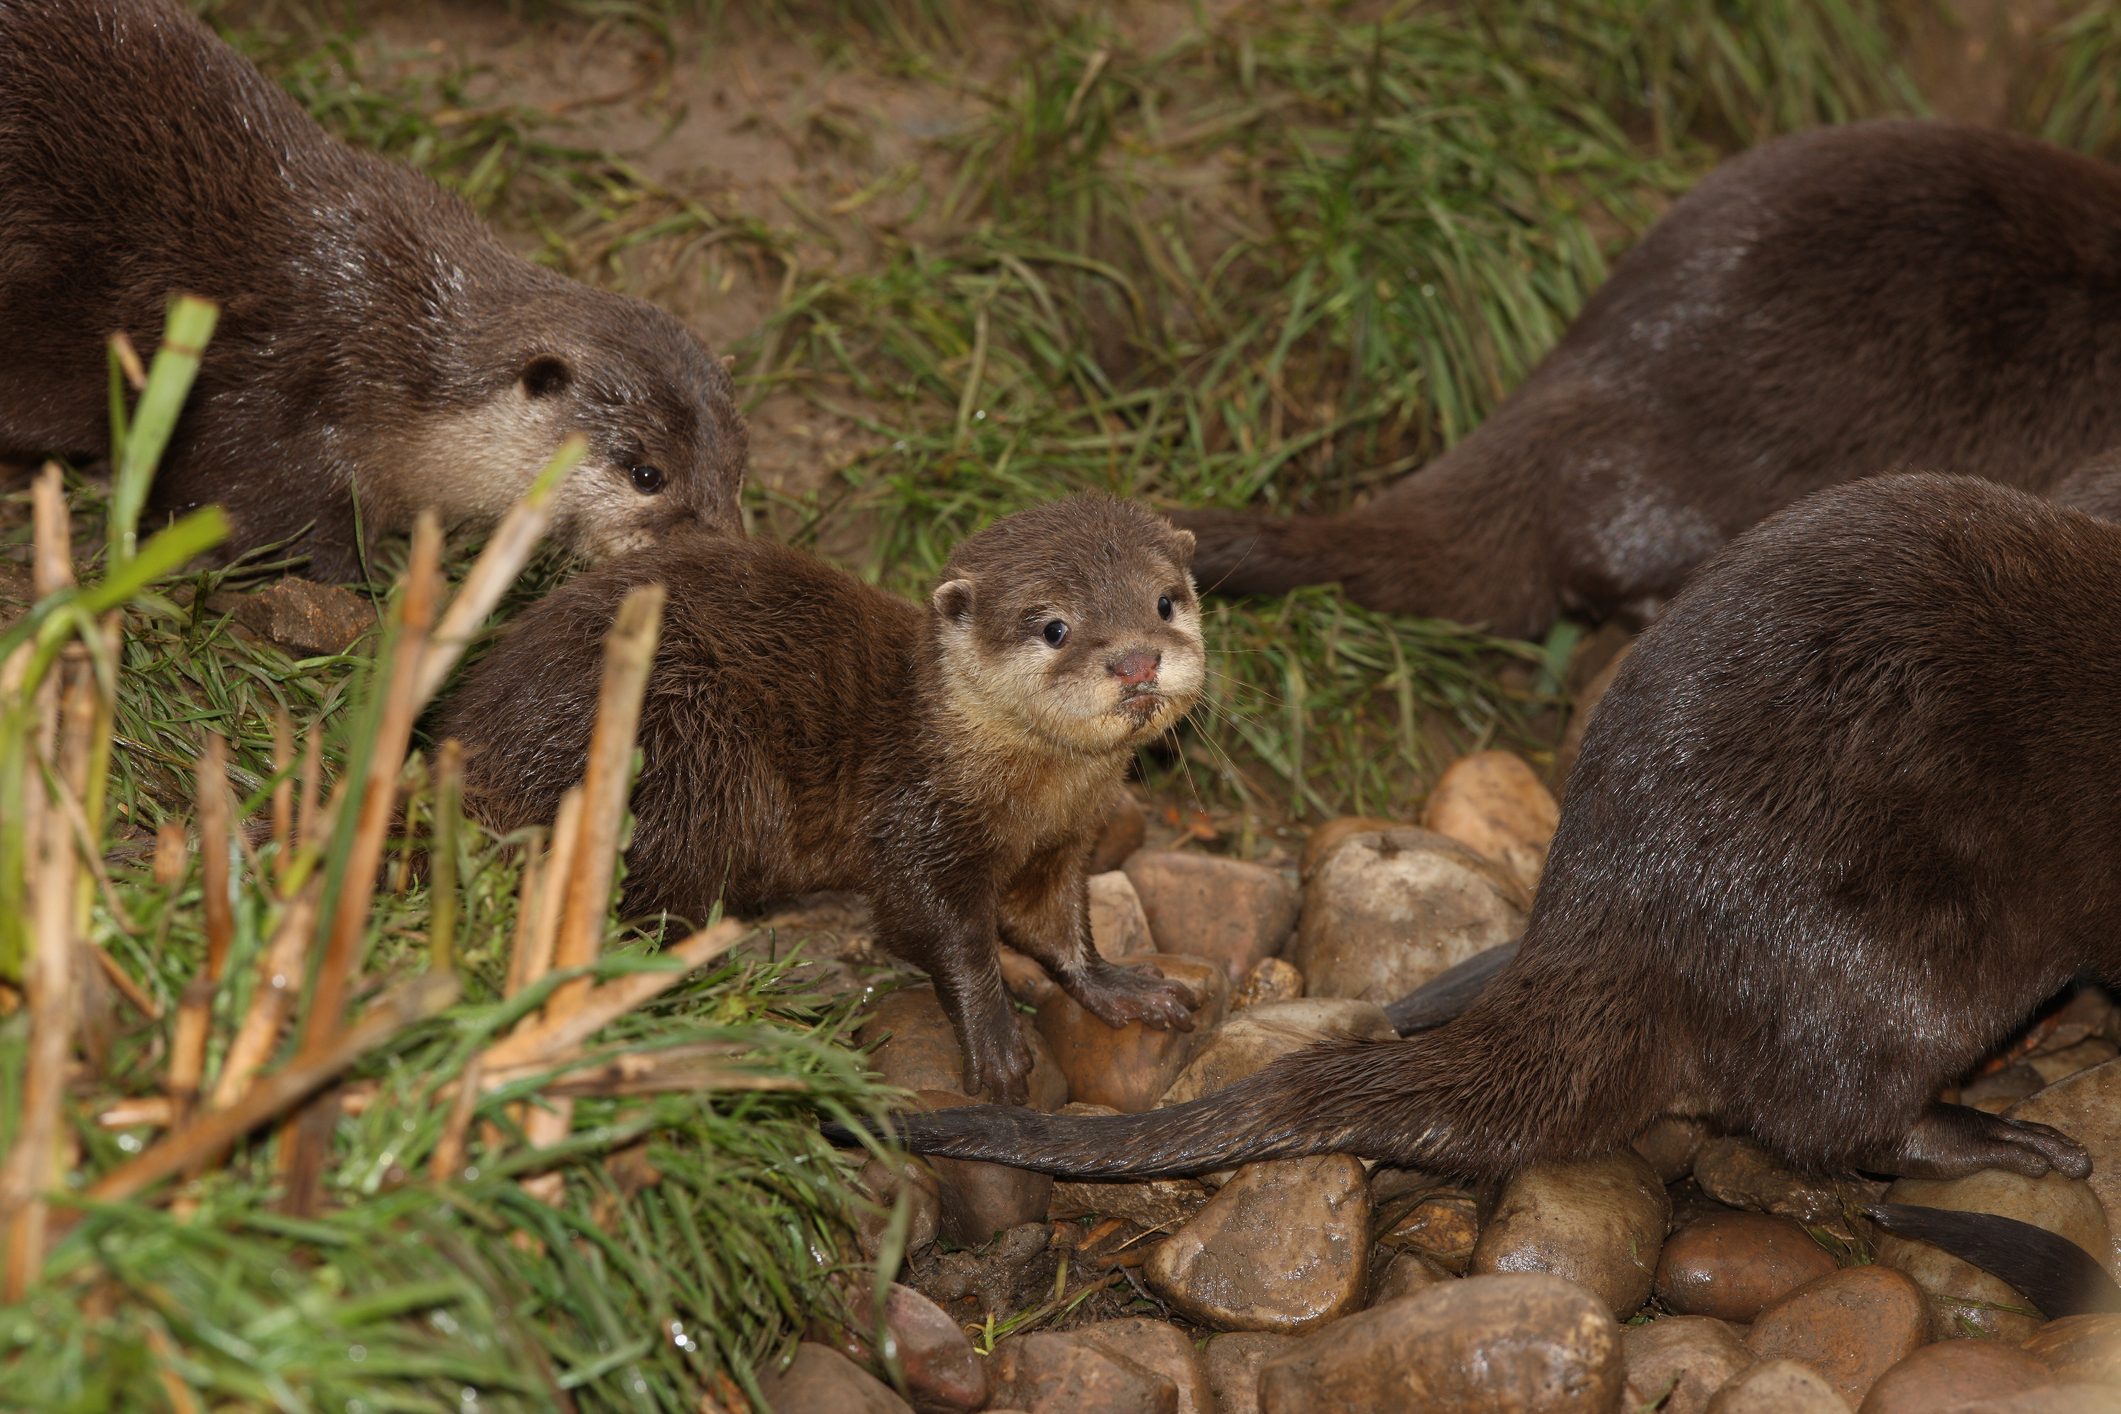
272 1000
215 842
551 1037
356 893
442 884
629 654
309 829
30 1170
405 1005
283 790
529 967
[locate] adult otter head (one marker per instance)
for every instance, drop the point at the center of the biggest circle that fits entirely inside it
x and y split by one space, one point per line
667 445
1072 625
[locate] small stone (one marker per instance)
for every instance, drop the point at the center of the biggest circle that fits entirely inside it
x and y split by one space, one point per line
1118 927
1953 1371
311 619
820 1380
2087 1107
1129 1067
1999 1090
1284 1246
1443 1227
1851 1327
1965 1300
1732 1265
1233 1362
2080 1348
1587 700
943 1372
1160 1347
1271 979
1533 1343
1225 910
1046 1373
1404 1274
1740 1174
882 1183
2045 1399
1247 1042
1681 1361
916 1049
1778 1387
1598 1222
2061 1064
976 1200
1121 835
1496 805
1337 832
1386 912
1668 1145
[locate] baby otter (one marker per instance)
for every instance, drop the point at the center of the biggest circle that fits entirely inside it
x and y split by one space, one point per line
803 731
1832 305
379 350
1844 819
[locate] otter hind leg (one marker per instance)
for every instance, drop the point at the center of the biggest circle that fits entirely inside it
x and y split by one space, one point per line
1948 1141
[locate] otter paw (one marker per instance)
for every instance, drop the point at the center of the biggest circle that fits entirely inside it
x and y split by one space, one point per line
1118 995
998 1064
2043 1148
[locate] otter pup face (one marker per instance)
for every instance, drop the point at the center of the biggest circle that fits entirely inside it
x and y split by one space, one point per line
1073 624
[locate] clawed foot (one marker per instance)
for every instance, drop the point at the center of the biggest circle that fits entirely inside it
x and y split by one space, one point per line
998 1062
1118 995
1951 1140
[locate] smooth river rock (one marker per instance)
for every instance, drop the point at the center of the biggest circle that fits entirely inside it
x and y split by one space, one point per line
1233 1363
2087 1107
1778 1387
1851 1327
1386 912
1730 1265
820 1380
1964 1300
1496 805
1284 1246
1953 1371
1062 1373
1160 1347
1681 1360
1598 1222
1247 1041
1226 910
1128 1067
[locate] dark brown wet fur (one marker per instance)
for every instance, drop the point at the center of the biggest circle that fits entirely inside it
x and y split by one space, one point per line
1837 304
804 731
1846 816
363 308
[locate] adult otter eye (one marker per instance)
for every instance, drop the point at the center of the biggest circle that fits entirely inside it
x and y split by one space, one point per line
647 479
1163 608
1055 633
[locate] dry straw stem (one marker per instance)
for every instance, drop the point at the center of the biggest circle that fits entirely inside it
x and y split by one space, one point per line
534 959
214 845
405 1005
553 1037
629 654
272 1000
448 816
356 897
283 788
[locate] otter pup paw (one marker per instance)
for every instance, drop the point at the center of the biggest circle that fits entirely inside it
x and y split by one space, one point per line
998 1062
1118 995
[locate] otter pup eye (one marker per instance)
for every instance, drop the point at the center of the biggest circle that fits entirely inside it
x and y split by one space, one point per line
1055 633
1163 608
647 479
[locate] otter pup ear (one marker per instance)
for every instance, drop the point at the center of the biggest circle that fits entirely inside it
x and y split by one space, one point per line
953 599
546 375
1183 541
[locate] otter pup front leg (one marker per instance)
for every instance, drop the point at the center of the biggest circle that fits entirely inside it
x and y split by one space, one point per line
1951 1140
1046 913
955 947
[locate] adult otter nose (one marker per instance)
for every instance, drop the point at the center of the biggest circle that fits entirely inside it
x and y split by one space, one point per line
1134 669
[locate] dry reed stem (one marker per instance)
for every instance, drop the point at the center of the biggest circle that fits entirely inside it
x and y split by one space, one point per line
507 550
529 966
553 1036
283 789
214 845
172 851
122 980
402 1006
451 1147
309 830
187 1045
442 890
629 654
356 896
528 886
272 1001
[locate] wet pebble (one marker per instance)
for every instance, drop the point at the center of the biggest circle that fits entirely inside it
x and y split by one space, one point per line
1676 1365
1778 1387
1496 805
2087 1107
1386 912
916 1049
1272 979
1233 1361
1964 1300
1598 1222
1118 926
1730 1265
1521 1343
943 1372
1740 1174
1226 910
820 1380
1442 1227
2080 1348
1248 1041
1160 1347
1052 1373
882 1184
1953 1371
1284 1246
1851 1327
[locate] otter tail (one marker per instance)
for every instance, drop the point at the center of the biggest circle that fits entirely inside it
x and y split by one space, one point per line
2049 1270
1247 552
1480 1096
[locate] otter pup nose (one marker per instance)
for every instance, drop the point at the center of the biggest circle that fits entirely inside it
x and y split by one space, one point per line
1137 667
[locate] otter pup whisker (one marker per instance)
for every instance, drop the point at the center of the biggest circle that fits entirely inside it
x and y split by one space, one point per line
803 731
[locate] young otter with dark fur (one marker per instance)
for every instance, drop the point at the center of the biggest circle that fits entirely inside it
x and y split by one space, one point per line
1832 305
1846 816
803 731
378 346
